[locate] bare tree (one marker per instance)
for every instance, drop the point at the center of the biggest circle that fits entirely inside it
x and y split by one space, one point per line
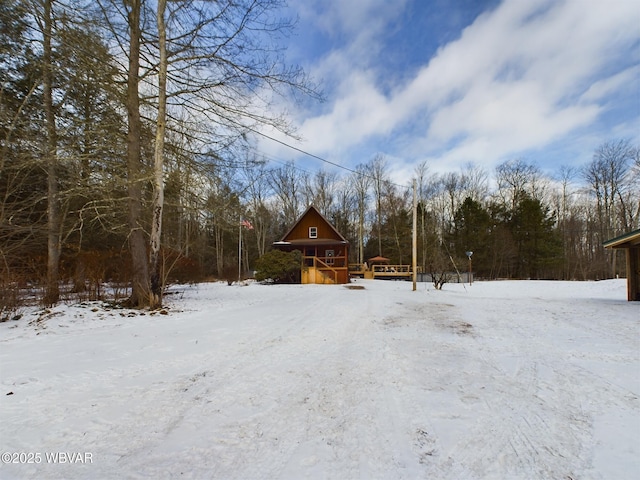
564 207
475 181
256 179
634 190
515 178
53 202
320 190
287 182
439 205
343 215
607 176
140 285
427 186
223 66
396 207
361 183
158 162
454 185
378 172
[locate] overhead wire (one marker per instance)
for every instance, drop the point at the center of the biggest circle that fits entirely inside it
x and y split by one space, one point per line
317 157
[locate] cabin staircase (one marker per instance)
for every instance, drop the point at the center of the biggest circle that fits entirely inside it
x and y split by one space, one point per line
319 273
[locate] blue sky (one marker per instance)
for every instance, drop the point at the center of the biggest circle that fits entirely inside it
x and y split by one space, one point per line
457 81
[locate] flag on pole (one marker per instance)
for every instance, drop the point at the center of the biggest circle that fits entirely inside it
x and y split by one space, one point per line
246 224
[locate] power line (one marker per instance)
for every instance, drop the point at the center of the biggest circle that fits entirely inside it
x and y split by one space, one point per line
280 161
304 152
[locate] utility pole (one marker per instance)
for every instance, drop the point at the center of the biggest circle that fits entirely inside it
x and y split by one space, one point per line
239 251
414 239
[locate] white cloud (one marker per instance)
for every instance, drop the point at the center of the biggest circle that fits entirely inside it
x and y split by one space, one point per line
625 81
354 116
521 76
352 19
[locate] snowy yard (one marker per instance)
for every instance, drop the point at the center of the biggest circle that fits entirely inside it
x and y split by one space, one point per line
498 380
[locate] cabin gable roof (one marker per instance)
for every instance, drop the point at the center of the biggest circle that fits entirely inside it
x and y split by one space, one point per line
301 233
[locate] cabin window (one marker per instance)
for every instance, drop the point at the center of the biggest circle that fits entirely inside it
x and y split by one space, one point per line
329 254
313 232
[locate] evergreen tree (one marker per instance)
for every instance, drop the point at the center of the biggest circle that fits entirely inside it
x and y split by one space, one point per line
539 245
22 178
472 231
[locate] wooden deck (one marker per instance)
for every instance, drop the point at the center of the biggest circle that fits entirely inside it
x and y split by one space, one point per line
382 272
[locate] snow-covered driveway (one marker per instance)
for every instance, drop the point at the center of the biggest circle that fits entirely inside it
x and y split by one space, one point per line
497 380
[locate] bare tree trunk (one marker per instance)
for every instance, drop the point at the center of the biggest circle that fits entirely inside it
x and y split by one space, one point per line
140 288
261 221
566 174
52 294
219 243
378 171
155 300
361 182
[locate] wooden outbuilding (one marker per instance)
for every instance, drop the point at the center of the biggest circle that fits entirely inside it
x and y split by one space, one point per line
325 252
631 244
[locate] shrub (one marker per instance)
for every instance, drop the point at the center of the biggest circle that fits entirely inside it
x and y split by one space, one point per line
279 266
230 274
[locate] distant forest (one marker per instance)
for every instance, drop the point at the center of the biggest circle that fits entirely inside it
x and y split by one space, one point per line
127 156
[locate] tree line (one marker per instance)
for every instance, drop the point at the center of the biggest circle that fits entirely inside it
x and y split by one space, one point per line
127 156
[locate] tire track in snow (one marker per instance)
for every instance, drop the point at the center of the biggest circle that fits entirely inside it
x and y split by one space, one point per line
520 428
535 421
310 404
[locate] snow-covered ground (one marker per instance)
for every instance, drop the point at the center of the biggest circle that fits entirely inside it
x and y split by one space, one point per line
498 380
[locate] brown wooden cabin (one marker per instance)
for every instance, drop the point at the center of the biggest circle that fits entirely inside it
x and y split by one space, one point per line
325 252
631 244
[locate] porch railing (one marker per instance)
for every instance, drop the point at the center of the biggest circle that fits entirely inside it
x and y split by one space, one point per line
322 265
